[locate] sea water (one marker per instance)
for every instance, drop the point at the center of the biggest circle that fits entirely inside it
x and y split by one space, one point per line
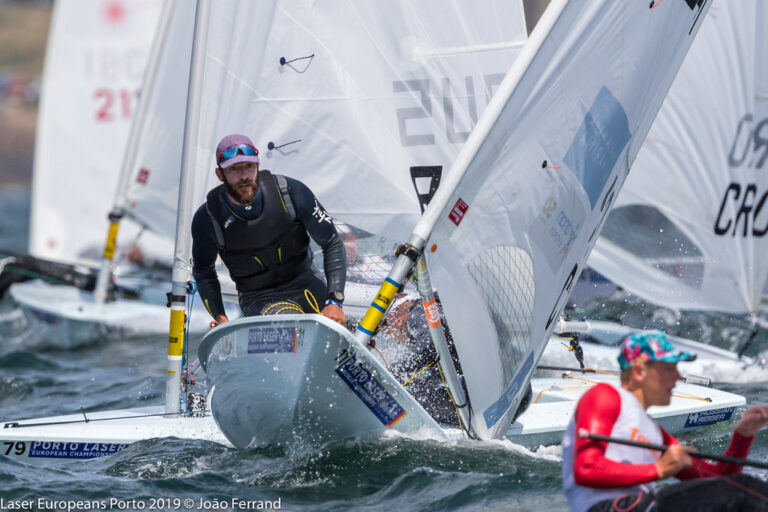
392 473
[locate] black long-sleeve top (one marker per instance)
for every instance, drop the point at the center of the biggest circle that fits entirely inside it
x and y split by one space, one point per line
309 212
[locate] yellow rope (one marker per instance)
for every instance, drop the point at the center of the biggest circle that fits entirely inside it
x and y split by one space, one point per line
418 373
552 388
679 394
311 300
692 397
286 306
566 376
445 385
603 372
455 406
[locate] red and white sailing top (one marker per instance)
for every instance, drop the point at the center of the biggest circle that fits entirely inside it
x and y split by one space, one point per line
594 471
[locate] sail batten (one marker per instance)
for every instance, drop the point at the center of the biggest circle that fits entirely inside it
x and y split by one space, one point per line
420 52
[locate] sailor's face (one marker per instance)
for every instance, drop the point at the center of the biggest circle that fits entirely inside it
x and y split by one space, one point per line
240 181
660 378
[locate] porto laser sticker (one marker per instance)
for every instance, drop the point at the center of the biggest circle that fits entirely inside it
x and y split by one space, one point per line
270 340
699 419
370 391
58 450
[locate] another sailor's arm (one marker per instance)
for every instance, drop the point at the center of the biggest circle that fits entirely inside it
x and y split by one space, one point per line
743 435
597 412
204 255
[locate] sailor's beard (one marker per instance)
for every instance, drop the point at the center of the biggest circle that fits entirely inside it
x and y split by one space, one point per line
243 195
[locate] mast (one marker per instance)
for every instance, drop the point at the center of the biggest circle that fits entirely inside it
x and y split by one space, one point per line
129 159
182 252
444 359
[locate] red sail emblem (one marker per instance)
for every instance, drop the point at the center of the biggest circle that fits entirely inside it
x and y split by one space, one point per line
458 211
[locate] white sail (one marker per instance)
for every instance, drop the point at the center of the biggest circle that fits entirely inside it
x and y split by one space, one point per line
94 65
404 95
523 204
149 186
690 228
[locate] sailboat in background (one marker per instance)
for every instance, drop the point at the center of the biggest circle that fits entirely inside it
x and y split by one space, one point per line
95 62
77 170
690 228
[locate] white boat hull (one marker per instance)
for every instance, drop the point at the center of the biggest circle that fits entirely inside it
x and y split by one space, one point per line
58 439
66 317
302 377
554 399
600 352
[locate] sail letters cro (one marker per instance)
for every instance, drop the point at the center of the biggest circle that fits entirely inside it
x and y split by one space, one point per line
751 213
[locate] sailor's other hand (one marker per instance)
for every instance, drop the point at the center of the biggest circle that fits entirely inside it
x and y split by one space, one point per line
753 420
135 255
674 459
333 312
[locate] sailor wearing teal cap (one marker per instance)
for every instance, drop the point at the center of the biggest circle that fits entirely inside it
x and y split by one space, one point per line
641 347
604 476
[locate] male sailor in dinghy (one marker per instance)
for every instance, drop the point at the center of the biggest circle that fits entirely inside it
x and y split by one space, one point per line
600 476
260 224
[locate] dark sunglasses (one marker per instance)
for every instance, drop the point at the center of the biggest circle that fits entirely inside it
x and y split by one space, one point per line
231 151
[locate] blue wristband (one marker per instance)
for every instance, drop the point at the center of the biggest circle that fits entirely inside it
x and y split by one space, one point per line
334 302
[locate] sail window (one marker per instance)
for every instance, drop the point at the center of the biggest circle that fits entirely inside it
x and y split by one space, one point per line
505 274
648 234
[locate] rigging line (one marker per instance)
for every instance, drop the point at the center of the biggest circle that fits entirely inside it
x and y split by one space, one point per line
748 342
14 424
679 394
381 356
735 484
189 302
558 388
419 373
284 306
586 434
581 370
682 394
455 405
311 300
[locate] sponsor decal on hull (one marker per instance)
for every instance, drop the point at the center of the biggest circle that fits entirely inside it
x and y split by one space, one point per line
273 339
699 419
372 393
